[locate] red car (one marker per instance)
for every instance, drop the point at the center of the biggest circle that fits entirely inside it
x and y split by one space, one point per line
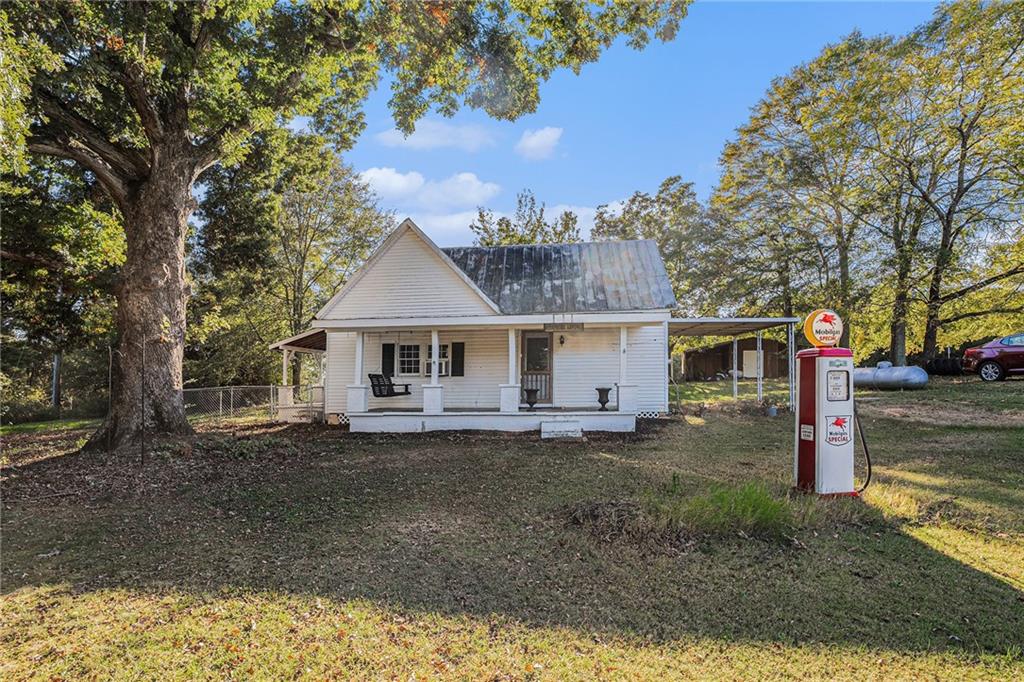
997 359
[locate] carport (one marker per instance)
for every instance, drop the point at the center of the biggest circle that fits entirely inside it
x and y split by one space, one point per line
740 326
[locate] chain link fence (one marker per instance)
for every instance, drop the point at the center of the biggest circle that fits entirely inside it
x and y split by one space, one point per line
290 403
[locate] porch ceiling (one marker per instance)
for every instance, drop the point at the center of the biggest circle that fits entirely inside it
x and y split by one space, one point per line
309 341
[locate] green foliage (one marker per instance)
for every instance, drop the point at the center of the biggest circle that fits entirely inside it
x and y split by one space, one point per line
312 222
684 232
20 58
750 509
882 179
62 248
223 71
527 225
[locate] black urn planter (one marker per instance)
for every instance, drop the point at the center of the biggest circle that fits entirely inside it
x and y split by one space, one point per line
602 397
531 396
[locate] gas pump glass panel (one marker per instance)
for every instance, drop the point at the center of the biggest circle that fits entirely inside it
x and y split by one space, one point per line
838 385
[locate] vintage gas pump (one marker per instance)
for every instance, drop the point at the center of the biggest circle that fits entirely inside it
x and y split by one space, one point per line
823 451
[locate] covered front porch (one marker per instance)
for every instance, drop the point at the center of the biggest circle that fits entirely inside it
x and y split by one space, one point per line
300 401
496 378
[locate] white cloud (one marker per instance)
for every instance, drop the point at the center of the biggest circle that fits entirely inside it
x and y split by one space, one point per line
538 144
434 134
411 191
391 185
448 229
461 189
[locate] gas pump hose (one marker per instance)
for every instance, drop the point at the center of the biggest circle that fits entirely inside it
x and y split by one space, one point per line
864 444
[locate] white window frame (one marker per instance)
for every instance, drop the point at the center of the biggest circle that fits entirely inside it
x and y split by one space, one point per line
443 360
418 360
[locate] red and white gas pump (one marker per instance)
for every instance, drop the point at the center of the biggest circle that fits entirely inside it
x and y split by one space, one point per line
823 450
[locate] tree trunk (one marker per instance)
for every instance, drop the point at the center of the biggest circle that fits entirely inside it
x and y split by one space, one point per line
901 303
934 308
296 368
151 298
898 335
58 359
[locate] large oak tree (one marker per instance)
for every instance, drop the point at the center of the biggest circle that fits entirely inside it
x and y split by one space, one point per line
146 96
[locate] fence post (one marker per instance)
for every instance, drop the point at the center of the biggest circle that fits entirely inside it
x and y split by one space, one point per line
271 403
220 402
231 397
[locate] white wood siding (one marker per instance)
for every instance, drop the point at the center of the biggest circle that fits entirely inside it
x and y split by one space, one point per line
646 366
408 280
589 359
340 365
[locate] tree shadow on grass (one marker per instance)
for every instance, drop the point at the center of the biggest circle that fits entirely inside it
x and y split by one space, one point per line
474 526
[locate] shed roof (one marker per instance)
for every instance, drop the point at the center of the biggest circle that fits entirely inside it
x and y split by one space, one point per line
568 278
724 326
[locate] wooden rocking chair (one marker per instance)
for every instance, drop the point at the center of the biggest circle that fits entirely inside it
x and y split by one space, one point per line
382 387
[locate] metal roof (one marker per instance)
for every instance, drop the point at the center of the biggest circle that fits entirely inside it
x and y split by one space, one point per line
724 326
568 278
309 341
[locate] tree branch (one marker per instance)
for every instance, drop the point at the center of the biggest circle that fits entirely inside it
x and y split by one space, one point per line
112 182
92 137
32 259
959 293
980 313
131 76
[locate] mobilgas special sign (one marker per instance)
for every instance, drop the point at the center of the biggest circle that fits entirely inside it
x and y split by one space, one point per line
823 328
837 429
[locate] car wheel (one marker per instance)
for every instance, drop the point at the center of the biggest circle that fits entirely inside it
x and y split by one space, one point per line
991 371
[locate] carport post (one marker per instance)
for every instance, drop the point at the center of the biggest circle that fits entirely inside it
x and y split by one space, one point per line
735 370
791 351
760 369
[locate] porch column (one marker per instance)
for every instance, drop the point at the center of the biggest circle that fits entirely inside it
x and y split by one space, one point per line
509 393
623 345
357 393
357 378
760 369
791 363
735 370
626 398
285 394
433 393
512 378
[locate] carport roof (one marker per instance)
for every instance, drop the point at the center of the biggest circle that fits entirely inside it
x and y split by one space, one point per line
724 326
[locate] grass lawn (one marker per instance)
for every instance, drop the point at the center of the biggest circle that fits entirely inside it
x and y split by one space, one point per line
688 393
295 551
49 425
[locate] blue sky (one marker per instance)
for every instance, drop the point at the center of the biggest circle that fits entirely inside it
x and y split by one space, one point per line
624 124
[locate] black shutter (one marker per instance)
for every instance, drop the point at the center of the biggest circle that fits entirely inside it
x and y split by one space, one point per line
458 359
387 359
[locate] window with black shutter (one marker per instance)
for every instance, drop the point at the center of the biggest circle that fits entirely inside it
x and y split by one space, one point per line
458 359
387 359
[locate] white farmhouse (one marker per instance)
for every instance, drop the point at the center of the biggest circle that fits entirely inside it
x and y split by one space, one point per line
508 338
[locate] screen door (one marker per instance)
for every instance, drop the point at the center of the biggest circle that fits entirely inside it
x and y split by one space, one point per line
536 364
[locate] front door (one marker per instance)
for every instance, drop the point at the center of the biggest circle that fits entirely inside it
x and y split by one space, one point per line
536 364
